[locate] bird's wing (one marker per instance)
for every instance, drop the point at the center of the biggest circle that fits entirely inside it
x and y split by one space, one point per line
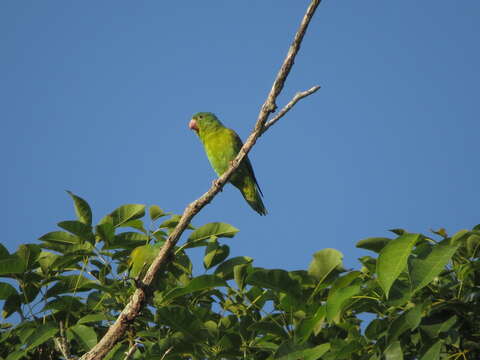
237 144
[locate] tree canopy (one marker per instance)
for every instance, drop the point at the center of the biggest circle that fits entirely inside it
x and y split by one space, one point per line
415 296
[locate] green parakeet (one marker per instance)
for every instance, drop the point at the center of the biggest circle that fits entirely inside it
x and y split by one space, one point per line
222 146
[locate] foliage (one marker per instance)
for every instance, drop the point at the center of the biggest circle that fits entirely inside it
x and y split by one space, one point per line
416 298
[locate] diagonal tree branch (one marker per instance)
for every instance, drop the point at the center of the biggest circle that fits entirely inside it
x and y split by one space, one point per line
133 308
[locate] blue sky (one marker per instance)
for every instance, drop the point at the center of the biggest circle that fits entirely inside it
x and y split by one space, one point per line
96 99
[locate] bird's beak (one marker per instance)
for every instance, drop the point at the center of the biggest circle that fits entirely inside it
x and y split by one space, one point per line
193 125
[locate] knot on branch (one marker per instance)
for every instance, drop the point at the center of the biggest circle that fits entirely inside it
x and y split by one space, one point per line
270 107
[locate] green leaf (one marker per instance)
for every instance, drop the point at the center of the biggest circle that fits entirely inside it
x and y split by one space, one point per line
291 303
298 352
215 254
126 213
436 325
82 209
6 290
135 224
376 329
426 268
127 240
394 352
460 236
159 235
93 318
29 254
316 352
40 335
288 350
64 303
156 212
216 229
30 289
70 283
341 349
3 251
202 282
400 293
268 326
172 222
409 320
473 245
310 324
60 237
105 232
141 257
240 274
275 279
77 228
182 265
66 262
16 355
182 320
225 269
118 352
375 244
12 264
393 260
433 353
324 262
85 336
24 330
230 341
337 299
345 280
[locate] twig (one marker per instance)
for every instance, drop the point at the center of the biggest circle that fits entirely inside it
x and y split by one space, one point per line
298 96
131 351
132 309
62 343
166 352
269 106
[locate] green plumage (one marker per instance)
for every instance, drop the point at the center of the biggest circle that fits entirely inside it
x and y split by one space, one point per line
222 146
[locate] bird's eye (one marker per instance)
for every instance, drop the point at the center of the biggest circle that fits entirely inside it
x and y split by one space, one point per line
200 117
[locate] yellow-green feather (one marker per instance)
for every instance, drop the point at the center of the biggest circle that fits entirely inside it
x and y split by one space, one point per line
222 145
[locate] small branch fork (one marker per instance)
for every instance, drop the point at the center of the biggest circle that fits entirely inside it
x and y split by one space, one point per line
298 96
132 309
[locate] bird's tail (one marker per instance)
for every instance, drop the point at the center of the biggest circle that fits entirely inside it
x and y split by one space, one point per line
252 195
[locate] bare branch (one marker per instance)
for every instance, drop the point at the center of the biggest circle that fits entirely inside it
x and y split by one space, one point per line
132 309
298 96
269 106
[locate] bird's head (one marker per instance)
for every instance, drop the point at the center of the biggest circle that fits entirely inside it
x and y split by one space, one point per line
203 122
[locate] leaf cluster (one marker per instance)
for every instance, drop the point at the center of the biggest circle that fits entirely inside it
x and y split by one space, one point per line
415 297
